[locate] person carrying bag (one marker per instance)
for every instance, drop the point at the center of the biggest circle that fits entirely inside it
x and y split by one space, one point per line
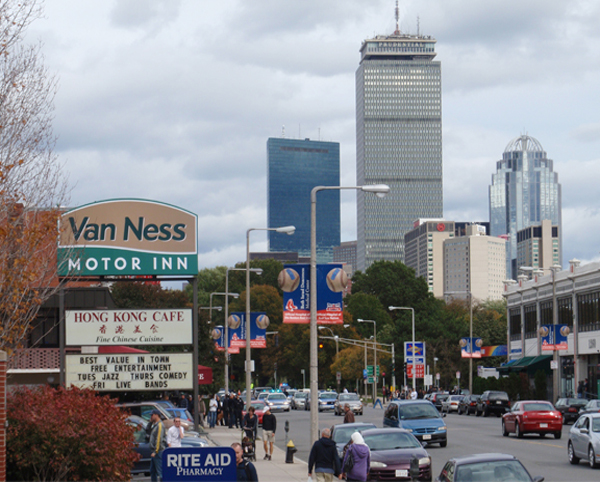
357 459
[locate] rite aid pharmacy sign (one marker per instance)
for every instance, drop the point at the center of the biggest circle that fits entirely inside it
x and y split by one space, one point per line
202 464
127 237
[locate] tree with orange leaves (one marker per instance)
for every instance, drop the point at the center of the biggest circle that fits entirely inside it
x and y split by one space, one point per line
32 186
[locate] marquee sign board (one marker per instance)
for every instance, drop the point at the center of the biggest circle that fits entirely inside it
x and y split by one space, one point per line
127 237
113 372
128 327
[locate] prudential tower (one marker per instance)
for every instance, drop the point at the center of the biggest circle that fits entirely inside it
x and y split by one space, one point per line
398 141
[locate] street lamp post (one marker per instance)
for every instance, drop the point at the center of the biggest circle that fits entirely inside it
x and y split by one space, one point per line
380 190
226 336
414 370
210 308
335 338
374 356
283 229
556 373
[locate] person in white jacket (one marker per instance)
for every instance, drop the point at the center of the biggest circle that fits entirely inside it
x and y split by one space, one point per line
175 433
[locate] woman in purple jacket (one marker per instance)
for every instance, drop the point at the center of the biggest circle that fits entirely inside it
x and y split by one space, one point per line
361 456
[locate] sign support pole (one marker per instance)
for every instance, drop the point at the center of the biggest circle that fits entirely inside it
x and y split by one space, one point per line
195 362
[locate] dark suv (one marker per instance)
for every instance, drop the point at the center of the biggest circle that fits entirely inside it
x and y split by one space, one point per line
492 401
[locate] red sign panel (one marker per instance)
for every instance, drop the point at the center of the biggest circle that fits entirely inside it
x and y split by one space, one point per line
420 372
205 376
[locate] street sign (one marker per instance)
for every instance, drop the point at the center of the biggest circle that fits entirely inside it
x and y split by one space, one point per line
428 380
370 370
437 376
420 371
338 376
210 464
458 375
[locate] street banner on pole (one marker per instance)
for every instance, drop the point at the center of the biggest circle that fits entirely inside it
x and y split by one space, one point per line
294 280
554 337
470 347
258 330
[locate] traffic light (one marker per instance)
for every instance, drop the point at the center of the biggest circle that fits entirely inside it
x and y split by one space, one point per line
405 367
320 346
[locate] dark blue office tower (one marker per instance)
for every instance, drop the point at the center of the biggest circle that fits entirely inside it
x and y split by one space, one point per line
294 167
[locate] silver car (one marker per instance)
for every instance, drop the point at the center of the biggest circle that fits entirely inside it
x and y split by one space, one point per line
353 401
278 402
584 440
299 400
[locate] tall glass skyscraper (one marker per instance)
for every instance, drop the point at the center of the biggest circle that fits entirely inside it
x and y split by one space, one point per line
398 141
294 167
524 192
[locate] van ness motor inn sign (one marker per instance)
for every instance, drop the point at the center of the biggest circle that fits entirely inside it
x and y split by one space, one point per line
128 327
127 237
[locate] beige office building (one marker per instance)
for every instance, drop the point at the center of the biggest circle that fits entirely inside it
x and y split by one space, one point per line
424 251
538 246
474 263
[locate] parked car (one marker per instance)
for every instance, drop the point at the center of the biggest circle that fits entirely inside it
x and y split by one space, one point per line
350 399
182 413
451 403
144 410
593 406
298 401
278 402
142 447
492 467
419 416
492 401
532 416
259 410
584 440
569 408
341 433
438 398
468 404
391 452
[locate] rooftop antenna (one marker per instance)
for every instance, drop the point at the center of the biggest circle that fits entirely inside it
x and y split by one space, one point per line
283 131
397 31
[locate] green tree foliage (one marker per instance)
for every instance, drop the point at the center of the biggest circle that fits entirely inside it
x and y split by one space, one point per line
71 435
145 295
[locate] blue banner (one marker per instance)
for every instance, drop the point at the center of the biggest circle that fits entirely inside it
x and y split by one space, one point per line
554 337
215 464
470 347
258 329
294 280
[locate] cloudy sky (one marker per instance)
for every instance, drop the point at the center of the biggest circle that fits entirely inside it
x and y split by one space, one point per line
174 100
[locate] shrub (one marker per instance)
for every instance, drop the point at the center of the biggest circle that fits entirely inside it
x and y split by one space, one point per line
66 434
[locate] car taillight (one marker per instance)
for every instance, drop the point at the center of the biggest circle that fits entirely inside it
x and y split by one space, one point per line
572 409
487 402
508 403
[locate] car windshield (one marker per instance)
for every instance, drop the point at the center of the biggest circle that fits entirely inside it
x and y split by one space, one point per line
391 441
509 470
498 396
417 410
180 412
537 407
300 395
349 397
277 396
327 396
341 434
263 395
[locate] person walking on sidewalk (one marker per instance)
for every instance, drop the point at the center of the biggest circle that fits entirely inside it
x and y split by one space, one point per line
348 414
269 429
157 443
324 458
213 404
245 470
361 456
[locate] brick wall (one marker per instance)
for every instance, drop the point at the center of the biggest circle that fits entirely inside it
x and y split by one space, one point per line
3 364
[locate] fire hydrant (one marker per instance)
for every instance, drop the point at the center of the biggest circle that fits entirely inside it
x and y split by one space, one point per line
291 450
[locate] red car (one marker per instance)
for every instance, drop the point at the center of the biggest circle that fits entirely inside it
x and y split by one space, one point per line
259 410
532 416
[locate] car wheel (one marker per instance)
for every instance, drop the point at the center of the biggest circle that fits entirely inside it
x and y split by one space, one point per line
504 431
592 458
557 435
573 459
444 443
485 412
477 413
518 432
542 435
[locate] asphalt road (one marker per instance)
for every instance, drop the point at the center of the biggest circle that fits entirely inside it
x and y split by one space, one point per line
466 435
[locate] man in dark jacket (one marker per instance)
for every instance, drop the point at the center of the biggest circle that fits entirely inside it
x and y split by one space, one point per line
269 429
324 458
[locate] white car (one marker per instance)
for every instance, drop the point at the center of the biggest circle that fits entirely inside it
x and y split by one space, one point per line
451 403
278 402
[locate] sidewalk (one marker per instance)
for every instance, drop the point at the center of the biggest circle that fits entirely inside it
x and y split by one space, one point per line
274 470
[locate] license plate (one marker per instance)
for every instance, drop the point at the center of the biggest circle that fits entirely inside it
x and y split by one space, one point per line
426 437
401 473
543 425
498 402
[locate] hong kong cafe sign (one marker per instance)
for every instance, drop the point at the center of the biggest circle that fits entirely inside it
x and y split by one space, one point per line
128 237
